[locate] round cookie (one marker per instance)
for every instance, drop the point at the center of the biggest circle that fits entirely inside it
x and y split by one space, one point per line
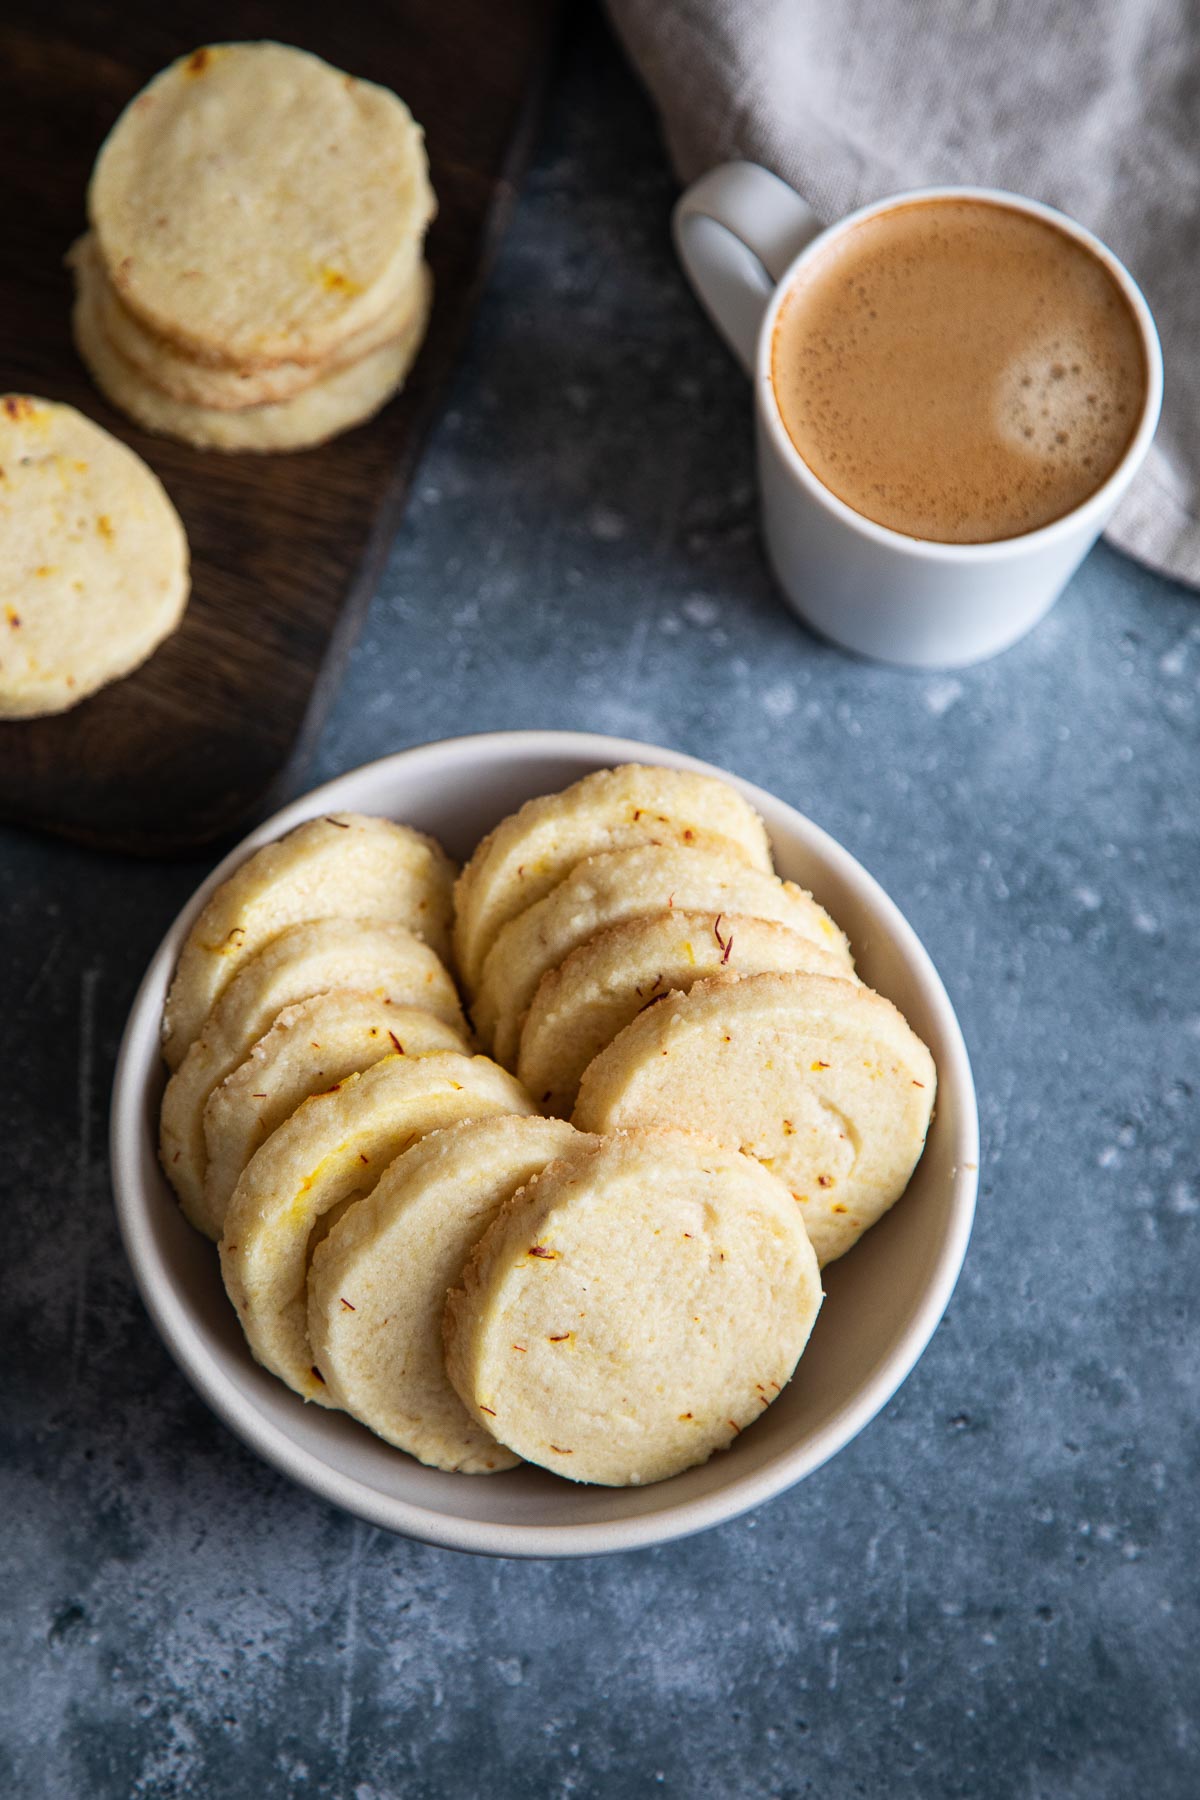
383 960
335 403
331 1152
534 849
346 865
200 384
309 1048
633 1308
820 1078
251 203
603 890
582 1005
94 563
378 1283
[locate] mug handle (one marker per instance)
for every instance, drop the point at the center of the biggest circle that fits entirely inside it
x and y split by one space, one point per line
737 229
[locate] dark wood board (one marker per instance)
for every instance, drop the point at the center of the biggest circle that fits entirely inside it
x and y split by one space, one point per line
286 550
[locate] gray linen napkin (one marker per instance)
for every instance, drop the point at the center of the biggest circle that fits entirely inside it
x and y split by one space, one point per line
1091 105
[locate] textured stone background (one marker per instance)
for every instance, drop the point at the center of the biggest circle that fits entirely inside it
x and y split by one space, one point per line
994 1591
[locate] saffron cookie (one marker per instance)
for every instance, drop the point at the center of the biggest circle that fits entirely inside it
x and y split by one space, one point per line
819 1078
633 1308
308 1049
703 876
341 399
347 865
581 1006
253 205
93 558
229 389
378 1283
535 848
331 1152
383 960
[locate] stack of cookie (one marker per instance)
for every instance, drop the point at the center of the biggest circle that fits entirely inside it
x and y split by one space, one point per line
254 276
313 1033
628 949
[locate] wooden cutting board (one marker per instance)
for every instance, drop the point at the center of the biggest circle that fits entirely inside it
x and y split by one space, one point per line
286 550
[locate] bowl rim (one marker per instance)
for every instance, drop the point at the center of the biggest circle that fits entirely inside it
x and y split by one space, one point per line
134 1199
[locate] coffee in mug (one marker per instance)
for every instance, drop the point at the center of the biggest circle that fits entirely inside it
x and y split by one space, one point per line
958 370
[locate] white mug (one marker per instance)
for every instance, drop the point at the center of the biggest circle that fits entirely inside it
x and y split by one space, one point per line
744 237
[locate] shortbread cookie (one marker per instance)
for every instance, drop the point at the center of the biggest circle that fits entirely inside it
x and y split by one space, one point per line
603 890
251 203
534 849
308 1049
330 1152
383 960
340 400
93 558
821 1079
378 1283
345 866
633 1308
581 1006
228 389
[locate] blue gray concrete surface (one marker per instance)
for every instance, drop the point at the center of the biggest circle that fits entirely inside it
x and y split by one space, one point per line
994 1591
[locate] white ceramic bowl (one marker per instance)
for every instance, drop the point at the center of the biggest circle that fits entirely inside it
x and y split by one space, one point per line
884 1299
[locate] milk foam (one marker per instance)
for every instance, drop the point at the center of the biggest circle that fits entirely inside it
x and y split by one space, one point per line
958 370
